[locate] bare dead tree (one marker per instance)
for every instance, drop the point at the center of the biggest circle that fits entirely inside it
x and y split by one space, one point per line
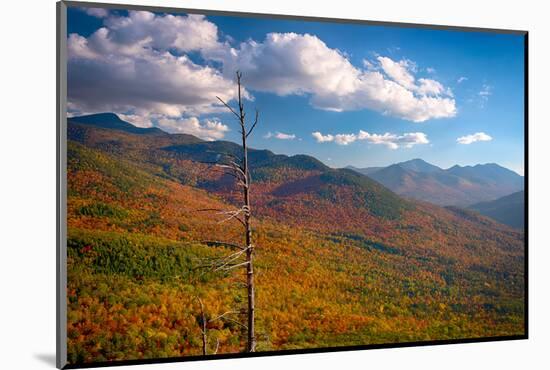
238 168
204 328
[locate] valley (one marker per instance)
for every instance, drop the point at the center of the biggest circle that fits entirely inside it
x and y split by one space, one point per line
342 258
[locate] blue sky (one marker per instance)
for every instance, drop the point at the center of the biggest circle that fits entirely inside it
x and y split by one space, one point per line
374 95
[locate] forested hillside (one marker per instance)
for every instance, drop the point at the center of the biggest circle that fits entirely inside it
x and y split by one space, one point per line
340 259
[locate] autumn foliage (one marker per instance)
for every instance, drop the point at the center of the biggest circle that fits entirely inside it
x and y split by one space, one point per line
340 260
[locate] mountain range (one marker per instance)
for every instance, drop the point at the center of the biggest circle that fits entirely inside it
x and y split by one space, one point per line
298 175
509 210
457 186
340 259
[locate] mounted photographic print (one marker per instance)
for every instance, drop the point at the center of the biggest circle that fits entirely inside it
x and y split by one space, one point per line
234 184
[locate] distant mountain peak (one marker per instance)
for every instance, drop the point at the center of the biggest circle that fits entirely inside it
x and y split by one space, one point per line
479 165
482 169
457 185
112 121
416 160
105 117
419 165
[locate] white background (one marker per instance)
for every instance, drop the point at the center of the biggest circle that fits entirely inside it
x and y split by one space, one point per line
27 180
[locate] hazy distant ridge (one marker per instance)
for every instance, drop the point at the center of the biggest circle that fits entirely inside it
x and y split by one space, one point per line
458 185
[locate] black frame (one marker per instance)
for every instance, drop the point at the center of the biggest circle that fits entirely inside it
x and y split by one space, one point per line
61 281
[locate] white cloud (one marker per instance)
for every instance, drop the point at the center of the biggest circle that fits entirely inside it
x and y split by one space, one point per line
97 12
137 64
184 33
210 129
340 139
375 92
123 68
280 136
430 70
322 138
469 139
289 63
344 139
432 88
461 79
398 71
368 64
392 141
137 120
302 64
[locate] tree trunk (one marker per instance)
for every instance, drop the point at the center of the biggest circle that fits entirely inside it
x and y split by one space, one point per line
251 340
203 329
243 175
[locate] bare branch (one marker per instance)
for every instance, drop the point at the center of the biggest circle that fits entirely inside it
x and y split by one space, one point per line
221 243
235 158
237 175
232 166
254 124
232 215
209 210
224 263
235 164
231 267
229 107
235 255
236 322
221 316
224 154
241 221
229 259
242 184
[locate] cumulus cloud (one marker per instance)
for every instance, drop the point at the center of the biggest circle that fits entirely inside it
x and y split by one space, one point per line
340 139
289 63
97 12
280 136
398 71
139 64
302 64
392 141
432 88
469 139
344 139
322 138
461 79
368 64
210 129
138 120
123 67
185 33
157 82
